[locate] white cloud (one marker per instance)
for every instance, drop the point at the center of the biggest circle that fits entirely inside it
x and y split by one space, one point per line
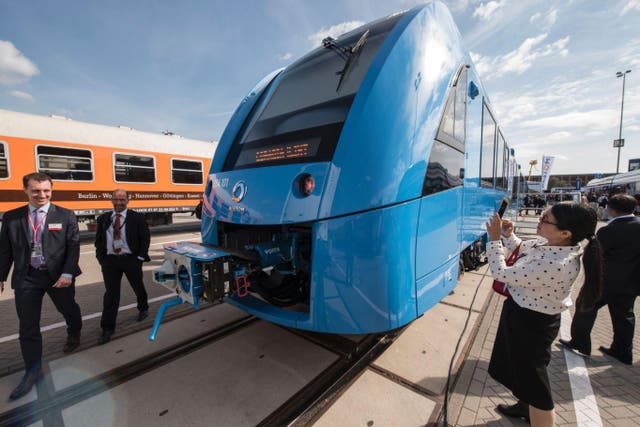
631 5
546 21
333 31
520 59
285 56
560 135
21 95
15 68
485 10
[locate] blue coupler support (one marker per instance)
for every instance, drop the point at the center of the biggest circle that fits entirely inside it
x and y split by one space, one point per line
160 315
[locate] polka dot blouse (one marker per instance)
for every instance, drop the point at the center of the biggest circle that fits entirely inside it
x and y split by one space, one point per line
542 277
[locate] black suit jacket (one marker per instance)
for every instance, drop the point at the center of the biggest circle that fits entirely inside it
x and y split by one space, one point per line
136 233
620 242
60 247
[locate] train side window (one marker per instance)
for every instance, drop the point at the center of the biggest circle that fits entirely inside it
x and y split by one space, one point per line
487 154
452 125
445 169
186 171
446 160
134 168
4 160
65 164
500 163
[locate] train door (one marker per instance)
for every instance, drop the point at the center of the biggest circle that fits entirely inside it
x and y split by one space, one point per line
441 206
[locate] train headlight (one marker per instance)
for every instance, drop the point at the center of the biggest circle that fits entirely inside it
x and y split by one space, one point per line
306 184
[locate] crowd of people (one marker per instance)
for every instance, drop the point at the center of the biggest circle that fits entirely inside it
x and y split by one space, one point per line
41 241
540 285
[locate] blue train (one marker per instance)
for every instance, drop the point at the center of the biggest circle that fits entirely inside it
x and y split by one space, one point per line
348 187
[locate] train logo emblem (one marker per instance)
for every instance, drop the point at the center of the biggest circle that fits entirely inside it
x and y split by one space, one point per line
239 191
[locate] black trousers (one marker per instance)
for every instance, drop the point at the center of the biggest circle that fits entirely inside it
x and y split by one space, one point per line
522 352
112 270
28 300
622 318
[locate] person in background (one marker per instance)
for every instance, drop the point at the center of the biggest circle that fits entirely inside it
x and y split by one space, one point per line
122 245
637 209
197 211
540 284
41 241
602 207
620 240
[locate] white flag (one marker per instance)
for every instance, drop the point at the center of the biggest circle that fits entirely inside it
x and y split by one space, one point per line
547 162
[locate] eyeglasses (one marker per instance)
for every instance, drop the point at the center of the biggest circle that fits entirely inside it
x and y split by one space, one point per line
544 221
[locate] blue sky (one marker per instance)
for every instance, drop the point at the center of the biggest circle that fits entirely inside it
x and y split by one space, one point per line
549 66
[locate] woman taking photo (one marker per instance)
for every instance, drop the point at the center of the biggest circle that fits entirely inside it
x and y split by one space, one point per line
540 284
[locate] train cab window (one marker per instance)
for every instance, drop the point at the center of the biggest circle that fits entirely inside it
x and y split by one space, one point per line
300 116
4 160
134 168
452 125
487 154
65 164
446 161
186 171
500 163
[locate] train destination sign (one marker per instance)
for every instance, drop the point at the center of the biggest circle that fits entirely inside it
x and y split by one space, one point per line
279 152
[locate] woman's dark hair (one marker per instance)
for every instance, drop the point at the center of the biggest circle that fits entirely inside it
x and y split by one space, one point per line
581 222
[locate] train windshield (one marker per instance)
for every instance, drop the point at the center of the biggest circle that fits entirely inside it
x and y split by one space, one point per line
300 119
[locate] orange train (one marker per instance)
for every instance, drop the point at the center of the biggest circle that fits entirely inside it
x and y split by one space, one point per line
163 174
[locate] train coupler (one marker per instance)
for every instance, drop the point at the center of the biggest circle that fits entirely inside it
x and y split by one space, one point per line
196 272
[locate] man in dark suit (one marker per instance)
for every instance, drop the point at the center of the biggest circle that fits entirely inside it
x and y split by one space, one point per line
41 241
620 241
122 245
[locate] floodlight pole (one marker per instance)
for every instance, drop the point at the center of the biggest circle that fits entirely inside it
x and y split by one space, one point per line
624 76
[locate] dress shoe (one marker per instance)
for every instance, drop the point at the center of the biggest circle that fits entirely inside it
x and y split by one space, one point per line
572 346
142 315
627 360
105 337
73 341
30 378
518 410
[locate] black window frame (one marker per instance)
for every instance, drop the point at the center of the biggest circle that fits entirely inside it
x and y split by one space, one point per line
4 157
115 165
501 156
58 152
483 183
193 171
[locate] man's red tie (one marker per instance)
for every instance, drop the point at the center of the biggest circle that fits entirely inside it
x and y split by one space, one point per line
117 235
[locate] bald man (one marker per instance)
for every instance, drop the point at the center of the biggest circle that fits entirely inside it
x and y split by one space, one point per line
122 245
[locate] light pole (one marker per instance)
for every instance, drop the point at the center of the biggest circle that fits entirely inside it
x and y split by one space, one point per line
619 142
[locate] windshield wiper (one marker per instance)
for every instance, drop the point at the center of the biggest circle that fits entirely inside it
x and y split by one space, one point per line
348 54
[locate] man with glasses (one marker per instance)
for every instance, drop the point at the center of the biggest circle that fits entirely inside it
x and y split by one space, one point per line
41 241
122 245
620 241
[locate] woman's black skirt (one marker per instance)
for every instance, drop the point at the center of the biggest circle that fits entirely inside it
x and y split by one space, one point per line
522 351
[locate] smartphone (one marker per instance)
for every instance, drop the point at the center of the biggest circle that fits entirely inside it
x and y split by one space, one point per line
503 207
